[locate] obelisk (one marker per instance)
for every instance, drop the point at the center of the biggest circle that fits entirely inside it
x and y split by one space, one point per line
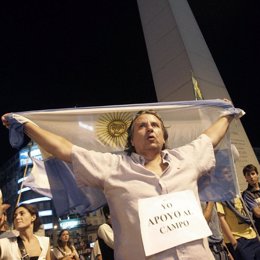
176 50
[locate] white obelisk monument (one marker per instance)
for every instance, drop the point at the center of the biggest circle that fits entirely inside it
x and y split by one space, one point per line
176 48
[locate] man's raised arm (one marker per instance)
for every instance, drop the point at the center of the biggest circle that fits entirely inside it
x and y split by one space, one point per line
217 130
54 144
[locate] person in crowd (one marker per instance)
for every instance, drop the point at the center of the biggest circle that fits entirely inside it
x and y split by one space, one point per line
3 218
216 241
3 223
27 245
65 250
4 226
239 234
146 170
96 252
106 236
83 250
251 195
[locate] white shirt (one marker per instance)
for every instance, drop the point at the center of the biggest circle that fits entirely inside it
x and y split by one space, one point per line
9 249
124 180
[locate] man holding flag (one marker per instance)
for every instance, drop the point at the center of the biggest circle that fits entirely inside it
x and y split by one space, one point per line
152 192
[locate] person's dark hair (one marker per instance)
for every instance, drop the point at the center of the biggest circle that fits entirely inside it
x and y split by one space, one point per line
249 168
106 211
59 241
33 211
129 148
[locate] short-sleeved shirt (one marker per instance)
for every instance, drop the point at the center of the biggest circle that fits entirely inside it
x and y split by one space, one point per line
238 227
125 180
105 236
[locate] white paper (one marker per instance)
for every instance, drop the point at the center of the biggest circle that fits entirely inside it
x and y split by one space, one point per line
170 220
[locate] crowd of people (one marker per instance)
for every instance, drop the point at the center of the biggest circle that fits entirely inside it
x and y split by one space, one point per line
234 223
24 243
144 172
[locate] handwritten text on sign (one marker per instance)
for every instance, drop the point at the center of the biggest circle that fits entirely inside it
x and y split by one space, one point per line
170 220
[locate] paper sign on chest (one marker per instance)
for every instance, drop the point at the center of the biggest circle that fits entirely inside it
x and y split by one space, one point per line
170 220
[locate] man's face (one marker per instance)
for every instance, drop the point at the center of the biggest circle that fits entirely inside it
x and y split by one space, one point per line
251 178
3 219
147 134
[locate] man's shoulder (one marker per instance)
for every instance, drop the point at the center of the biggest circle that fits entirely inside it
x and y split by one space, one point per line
248 192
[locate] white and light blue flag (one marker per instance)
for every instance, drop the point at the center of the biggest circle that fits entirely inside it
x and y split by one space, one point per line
104 129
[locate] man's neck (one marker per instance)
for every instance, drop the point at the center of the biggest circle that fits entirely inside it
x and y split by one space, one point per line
255 186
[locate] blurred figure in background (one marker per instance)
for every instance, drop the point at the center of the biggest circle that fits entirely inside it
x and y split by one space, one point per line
106 236
3 215
96 252
64 249
4 226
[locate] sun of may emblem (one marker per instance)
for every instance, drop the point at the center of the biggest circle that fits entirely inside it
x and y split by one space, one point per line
111 128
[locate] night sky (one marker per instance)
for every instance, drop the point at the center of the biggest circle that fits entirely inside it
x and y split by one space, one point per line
61 54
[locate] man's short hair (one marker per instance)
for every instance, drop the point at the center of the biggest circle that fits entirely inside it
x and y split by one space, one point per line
249 168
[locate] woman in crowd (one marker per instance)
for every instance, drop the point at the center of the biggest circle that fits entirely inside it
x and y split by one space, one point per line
27 245
65 250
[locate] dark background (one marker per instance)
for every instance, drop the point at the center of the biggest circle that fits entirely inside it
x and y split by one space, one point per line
62 54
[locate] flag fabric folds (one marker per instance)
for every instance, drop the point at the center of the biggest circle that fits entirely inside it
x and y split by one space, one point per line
104 129
60 185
